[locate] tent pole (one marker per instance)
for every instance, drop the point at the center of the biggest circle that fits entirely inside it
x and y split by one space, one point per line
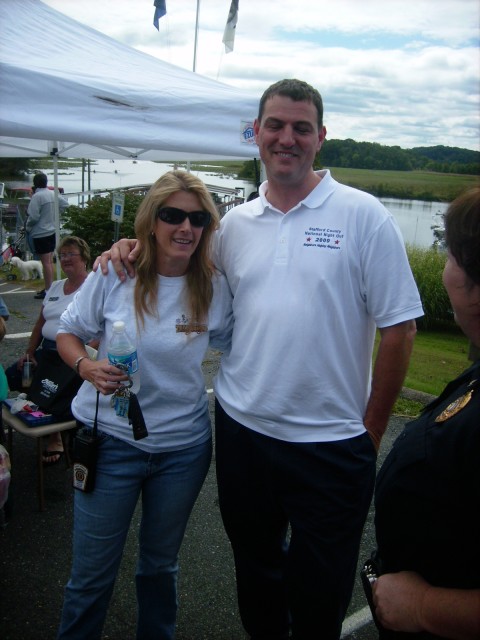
83 183
54 154
89 179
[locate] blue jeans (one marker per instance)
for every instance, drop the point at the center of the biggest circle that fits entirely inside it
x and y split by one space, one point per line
169 484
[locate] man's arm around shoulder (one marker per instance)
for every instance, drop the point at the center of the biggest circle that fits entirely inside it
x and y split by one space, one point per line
123 255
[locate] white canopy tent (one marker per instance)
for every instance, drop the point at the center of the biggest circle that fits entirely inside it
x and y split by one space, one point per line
65 86
70 91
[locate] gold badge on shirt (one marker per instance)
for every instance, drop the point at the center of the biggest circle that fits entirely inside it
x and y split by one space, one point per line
454 407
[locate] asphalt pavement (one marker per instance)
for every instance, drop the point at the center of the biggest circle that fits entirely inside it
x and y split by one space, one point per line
36 546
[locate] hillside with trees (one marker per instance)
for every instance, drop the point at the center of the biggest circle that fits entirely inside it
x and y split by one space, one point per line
371 155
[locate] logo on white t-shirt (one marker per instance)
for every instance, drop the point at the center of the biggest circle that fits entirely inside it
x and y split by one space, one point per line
323 238
184 325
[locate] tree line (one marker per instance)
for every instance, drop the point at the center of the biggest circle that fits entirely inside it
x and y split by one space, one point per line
371 155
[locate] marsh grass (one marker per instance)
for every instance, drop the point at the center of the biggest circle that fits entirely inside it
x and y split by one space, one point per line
416 185
427 266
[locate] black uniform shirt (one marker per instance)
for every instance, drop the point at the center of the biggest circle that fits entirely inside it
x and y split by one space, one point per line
427 496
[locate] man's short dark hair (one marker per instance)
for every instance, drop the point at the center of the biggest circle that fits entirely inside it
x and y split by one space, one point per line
40 181
296 90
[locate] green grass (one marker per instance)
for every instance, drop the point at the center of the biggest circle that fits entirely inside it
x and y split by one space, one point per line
437 358
407 408
417 185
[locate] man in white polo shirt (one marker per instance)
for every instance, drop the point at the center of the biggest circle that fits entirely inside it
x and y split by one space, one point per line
314 268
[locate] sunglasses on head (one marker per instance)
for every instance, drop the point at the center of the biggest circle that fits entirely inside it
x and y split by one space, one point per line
172 215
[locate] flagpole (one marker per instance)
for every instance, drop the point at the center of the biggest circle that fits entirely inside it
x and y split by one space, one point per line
194 58
196 37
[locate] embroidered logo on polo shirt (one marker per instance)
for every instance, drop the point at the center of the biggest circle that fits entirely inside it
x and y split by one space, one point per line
323 238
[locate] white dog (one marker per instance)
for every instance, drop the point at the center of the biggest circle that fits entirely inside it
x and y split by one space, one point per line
30 269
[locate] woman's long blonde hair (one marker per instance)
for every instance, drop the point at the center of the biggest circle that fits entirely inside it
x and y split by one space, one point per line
200 269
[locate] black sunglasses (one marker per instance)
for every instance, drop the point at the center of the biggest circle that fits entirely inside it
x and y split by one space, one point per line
172 215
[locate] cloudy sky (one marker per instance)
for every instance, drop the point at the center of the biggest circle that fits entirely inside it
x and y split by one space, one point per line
395 72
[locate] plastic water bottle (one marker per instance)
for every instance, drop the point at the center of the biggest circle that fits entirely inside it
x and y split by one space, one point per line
122 350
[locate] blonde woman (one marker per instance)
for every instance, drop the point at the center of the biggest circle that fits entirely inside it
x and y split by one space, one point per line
174 308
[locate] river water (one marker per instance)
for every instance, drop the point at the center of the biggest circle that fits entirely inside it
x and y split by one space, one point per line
414 217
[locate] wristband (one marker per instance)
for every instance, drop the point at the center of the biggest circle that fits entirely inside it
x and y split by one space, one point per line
77 362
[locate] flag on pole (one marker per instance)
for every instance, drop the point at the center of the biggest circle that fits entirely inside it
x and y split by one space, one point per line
229 33
160 11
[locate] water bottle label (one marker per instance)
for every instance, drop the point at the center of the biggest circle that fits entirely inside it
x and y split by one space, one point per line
130 360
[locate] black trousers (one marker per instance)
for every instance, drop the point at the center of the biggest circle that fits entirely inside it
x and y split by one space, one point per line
294 514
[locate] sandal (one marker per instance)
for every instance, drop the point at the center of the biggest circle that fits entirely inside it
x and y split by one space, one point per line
48 455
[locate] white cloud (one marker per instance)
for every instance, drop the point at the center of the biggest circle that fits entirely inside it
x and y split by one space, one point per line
395 72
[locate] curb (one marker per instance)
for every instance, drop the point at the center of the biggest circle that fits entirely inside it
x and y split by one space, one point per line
417 396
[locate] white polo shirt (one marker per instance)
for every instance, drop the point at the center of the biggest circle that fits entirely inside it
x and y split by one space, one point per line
310 287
